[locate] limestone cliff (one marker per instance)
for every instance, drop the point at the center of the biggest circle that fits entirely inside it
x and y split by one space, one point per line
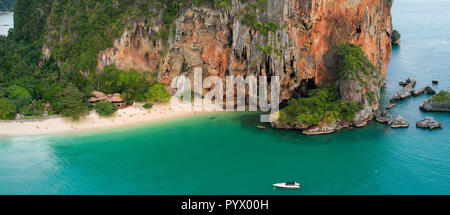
295 39
304 47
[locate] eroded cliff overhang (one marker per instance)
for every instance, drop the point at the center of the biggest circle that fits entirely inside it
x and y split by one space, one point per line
303 48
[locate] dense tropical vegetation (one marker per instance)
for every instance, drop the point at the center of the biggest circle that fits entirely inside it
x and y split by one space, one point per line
7 5
67 78
105 108
157 93
76 31
353 64
132 84
442 98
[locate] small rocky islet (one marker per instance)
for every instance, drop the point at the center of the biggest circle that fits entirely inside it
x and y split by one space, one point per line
408 90
400 122
429 123
438 103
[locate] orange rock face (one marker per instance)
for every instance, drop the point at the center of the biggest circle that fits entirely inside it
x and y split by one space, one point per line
217 41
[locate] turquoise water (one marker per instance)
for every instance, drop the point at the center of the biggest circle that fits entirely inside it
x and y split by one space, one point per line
6 22
226 154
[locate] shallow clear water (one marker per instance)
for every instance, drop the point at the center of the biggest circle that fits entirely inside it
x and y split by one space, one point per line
226 154
6 22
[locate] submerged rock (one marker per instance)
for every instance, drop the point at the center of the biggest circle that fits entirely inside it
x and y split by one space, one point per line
435 82
428 122
399 122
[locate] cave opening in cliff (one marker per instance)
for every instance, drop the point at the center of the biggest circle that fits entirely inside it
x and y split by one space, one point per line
302 90
305 86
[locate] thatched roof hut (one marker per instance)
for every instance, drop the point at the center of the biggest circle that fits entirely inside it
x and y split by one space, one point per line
115 98
93 100
100 96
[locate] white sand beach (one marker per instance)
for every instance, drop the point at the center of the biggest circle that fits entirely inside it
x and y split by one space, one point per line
128 116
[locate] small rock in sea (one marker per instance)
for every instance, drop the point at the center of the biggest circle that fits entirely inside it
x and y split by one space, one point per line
395 38
383 117
399 122
360 124
435 82
390 106
429 122
430 90
418 92
410 80
261 127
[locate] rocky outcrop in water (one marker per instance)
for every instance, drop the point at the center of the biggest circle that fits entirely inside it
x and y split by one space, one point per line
438 103
429 122
408 90
395 37
405 92
326 128
421 91
400 122
382 117
390 106
435 107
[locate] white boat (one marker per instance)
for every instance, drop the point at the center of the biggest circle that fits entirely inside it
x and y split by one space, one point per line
288 185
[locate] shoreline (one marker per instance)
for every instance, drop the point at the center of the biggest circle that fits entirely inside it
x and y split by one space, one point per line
122 118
